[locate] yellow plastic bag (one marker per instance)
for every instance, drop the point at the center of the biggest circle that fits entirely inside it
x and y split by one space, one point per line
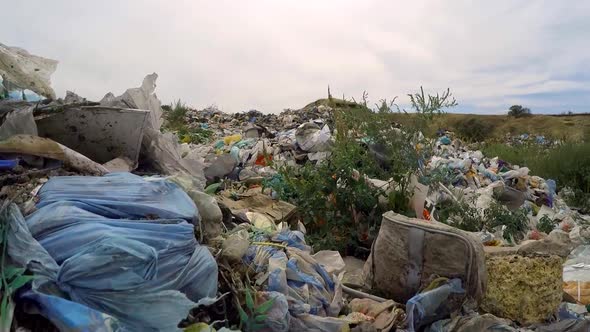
229 140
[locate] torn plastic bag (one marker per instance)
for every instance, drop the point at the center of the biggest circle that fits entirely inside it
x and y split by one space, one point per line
67 315
113 266
18 122
311 138
163 152
121 195
143 98
27 71
331 261
44 147
430 306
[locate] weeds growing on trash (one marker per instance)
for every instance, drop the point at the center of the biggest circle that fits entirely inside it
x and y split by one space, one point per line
352 206
465 216
175 120
461 215
546 225
252 318
497 215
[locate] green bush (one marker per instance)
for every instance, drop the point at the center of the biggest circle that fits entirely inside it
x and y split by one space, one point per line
460 215
174 115
338 206
473 129
465 216
516 222
175 120
546 225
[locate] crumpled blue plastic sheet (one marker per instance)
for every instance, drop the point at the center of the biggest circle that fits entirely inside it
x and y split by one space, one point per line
121 195
100 273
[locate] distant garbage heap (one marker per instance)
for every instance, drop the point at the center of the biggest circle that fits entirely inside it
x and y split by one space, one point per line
193 240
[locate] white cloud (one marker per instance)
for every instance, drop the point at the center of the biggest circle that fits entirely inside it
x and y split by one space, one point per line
276 54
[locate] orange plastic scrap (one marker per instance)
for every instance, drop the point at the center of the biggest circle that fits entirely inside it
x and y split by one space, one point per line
426 214
262 159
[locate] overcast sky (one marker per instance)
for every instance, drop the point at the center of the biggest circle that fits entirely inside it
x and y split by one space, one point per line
276 54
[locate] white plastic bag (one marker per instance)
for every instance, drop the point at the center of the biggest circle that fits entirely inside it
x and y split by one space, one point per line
27 71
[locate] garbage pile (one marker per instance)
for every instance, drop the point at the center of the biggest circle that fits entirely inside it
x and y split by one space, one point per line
528 139
111 225
479 181
245 144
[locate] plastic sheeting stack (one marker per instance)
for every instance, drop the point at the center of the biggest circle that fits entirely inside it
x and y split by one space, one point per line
117 250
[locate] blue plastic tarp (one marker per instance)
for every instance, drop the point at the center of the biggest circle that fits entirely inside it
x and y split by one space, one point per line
121 195
114 274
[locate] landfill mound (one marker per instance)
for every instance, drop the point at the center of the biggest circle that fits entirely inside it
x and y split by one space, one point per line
123 215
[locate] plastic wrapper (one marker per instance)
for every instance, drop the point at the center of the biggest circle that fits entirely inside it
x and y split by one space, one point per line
427 307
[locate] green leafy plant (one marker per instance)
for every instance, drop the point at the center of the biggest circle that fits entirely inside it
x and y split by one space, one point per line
545 225
336 202
175 120
460 214
516 222
252 317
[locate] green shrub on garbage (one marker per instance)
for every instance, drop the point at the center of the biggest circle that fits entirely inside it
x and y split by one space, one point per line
337 203
461 215
195 136
175 120
516 222
174 114
252 317
467 217
545 225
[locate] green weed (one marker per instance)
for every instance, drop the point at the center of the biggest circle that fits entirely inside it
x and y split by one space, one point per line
252 317
175 120
337 204
546 225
